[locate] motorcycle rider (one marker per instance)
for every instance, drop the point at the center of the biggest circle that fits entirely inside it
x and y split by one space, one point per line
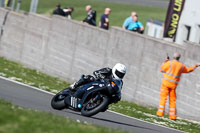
114 76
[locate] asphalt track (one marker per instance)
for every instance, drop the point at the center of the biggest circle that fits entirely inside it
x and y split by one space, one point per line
154 3
34 98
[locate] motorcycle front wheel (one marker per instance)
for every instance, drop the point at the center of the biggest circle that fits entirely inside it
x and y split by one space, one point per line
57 101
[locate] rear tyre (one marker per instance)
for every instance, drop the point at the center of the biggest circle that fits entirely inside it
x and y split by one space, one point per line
101 106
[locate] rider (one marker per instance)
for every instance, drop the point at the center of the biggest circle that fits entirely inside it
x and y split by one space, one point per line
114 75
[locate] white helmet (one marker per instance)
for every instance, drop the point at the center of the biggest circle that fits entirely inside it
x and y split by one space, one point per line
118 71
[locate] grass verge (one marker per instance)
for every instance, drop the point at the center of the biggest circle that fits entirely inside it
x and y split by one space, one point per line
17 72
14 119
120 11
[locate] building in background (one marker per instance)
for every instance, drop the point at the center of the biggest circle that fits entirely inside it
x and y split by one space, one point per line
189 24
188 27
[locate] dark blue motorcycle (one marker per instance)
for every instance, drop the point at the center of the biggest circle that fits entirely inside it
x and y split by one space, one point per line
89 99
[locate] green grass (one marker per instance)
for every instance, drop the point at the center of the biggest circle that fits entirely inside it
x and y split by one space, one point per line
118 14
148 114
18 72
14 119
28 76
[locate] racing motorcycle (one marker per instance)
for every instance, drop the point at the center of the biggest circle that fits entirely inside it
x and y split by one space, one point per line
89 99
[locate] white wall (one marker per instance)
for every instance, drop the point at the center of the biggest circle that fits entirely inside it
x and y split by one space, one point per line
190 17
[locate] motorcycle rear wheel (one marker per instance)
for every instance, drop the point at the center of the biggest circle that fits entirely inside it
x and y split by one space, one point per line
104 104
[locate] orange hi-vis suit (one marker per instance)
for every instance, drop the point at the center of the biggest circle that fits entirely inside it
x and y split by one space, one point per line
172 71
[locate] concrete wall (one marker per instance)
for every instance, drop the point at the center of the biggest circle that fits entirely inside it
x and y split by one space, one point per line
3 15
67 49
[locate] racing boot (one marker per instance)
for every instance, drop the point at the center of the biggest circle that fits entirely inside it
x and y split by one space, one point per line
83 80
78 83
72 86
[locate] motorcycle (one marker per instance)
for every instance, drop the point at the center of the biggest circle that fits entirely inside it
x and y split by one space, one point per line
89 99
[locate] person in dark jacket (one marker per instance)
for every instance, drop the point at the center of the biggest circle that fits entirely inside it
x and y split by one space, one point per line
58 10
68 12
104 21
91 16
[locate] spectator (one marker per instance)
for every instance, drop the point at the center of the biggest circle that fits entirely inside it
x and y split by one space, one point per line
58 10
136 25
133 24
128 20
91 16
104 21
68 12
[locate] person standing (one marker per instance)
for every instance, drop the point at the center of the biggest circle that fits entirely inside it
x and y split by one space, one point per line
104 21
172 70
58 10
91 16
68 12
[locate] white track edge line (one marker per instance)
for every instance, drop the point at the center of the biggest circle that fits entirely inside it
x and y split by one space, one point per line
20 83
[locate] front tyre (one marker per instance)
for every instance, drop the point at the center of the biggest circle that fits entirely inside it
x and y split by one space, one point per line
90 108
57 101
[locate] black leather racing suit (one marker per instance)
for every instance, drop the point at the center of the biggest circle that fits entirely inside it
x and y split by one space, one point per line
106 74
91 18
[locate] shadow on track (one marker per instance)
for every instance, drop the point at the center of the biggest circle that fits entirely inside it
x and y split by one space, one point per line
112 121
121 123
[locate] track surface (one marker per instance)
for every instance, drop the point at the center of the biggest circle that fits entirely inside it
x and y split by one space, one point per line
30 97
157 3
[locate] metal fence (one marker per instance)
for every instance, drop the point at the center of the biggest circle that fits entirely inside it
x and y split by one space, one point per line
12 5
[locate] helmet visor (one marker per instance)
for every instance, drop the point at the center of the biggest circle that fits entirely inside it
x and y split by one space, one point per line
119 74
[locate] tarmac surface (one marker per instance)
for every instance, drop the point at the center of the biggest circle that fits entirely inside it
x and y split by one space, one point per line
34 98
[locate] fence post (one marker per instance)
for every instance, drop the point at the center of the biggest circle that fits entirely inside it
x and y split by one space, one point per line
13 5
2 3
18 5
34 4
